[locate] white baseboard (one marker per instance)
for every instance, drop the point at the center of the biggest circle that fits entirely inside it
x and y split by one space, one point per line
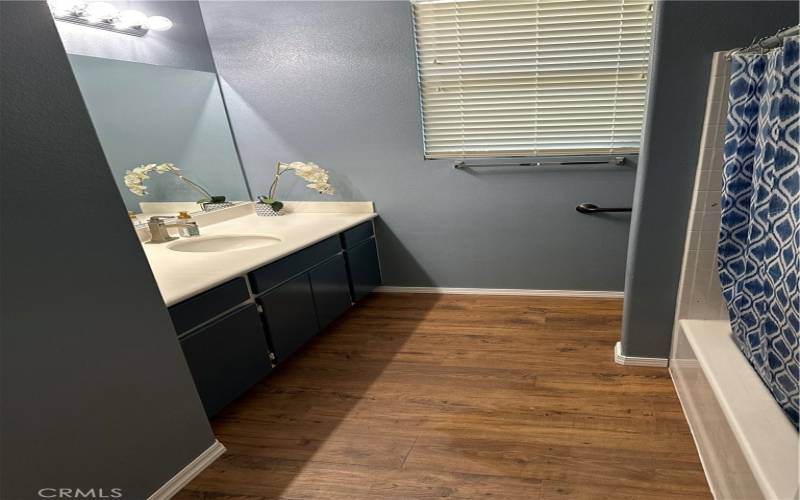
620 359
502 291
195 467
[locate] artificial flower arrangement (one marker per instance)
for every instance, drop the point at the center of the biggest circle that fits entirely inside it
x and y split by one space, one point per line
134 181
316 176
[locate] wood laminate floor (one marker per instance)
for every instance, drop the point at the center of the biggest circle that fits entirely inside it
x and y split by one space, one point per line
462 396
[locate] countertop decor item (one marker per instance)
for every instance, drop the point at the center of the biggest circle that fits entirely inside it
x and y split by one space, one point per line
134 181
209 206
265 209
316 176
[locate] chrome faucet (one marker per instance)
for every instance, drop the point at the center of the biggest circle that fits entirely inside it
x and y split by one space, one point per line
158 229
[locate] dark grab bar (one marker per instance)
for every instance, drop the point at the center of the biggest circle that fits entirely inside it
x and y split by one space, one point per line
589 208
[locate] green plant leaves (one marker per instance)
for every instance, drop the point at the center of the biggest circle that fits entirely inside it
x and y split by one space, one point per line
275 204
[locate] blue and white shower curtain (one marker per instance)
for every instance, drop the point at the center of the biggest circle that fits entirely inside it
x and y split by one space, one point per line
759 247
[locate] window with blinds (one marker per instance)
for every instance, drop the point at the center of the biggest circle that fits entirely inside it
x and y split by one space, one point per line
532 78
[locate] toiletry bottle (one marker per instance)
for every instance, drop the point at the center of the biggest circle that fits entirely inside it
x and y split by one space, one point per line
189 227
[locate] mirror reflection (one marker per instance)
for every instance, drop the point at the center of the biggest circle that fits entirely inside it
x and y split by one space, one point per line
154 115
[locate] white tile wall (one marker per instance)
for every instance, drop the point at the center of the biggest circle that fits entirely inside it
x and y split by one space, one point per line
699 294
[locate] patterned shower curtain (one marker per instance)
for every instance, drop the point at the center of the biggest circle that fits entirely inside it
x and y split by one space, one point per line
759 247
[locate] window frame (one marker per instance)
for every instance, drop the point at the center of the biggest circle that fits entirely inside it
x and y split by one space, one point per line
524 157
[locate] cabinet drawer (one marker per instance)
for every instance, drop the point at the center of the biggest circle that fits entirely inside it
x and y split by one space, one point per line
356 235
289 315
227 357
201 308
331 290
273 274
365 271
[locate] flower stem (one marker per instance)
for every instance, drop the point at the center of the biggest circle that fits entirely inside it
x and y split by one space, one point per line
193 185
273 188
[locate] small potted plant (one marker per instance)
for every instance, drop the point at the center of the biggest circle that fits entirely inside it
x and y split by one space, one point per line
316 176
134 181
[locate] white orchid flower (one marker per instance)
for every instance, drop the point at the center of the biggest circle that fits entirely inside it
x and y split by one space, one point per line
166 167
134 178
138 190
316 176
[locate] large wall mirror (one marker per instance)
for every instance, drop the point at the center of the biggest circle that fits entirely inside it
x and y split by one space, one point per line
154 97
147 114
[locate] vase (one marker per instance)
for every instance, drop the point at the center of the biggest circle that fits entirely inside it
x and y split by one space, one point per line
265 210
210 207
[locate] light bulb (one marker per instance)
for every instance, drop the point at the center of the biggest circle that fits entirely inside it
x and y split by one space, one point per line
101 10
132 18
62 7
159 23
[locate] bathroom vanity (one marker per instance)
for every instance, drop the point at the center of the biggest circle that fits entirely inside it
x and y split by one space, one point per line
249 291
238 313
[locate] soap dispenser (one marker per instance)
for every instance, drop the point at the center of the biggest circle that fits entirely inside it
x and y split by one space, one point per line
188 226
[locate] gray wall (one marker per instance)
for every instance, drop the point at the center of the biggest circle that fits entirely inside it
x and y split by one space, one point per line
152 114
335 83
687 33
183 46
95 390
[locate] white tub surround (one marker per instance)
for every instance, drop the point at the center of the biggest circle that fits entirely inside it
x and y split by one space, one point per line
181 275
746 443
699 291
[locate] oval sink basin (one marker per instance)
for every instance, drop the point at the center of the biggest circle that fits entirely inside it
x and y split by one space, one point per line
222 243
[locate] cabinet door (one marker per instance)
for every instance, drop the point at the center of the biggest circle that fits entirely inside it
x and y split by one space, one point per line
271 275
289 315
201 308
356 235
227 357
365 271
331 290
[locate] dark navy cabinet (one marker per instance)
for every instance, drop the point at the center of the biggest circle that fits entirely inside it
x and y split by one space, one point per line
358 234
365 271
209 304
275 273
289 316
226 357
331 289
234 334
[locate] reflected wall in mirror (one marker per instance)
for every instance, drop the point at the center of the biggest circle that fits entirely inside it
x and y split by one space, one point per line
145 113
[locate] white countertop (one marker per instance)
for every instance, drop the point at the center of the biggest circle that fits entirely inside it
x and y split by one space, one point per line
181 275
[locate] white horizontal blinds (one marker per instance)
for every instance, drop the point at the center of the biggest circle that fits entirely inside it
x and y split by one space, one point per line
532 78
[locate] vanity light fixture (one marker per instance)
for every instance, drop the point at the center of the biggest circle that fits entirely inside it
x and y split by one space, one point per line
105 16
